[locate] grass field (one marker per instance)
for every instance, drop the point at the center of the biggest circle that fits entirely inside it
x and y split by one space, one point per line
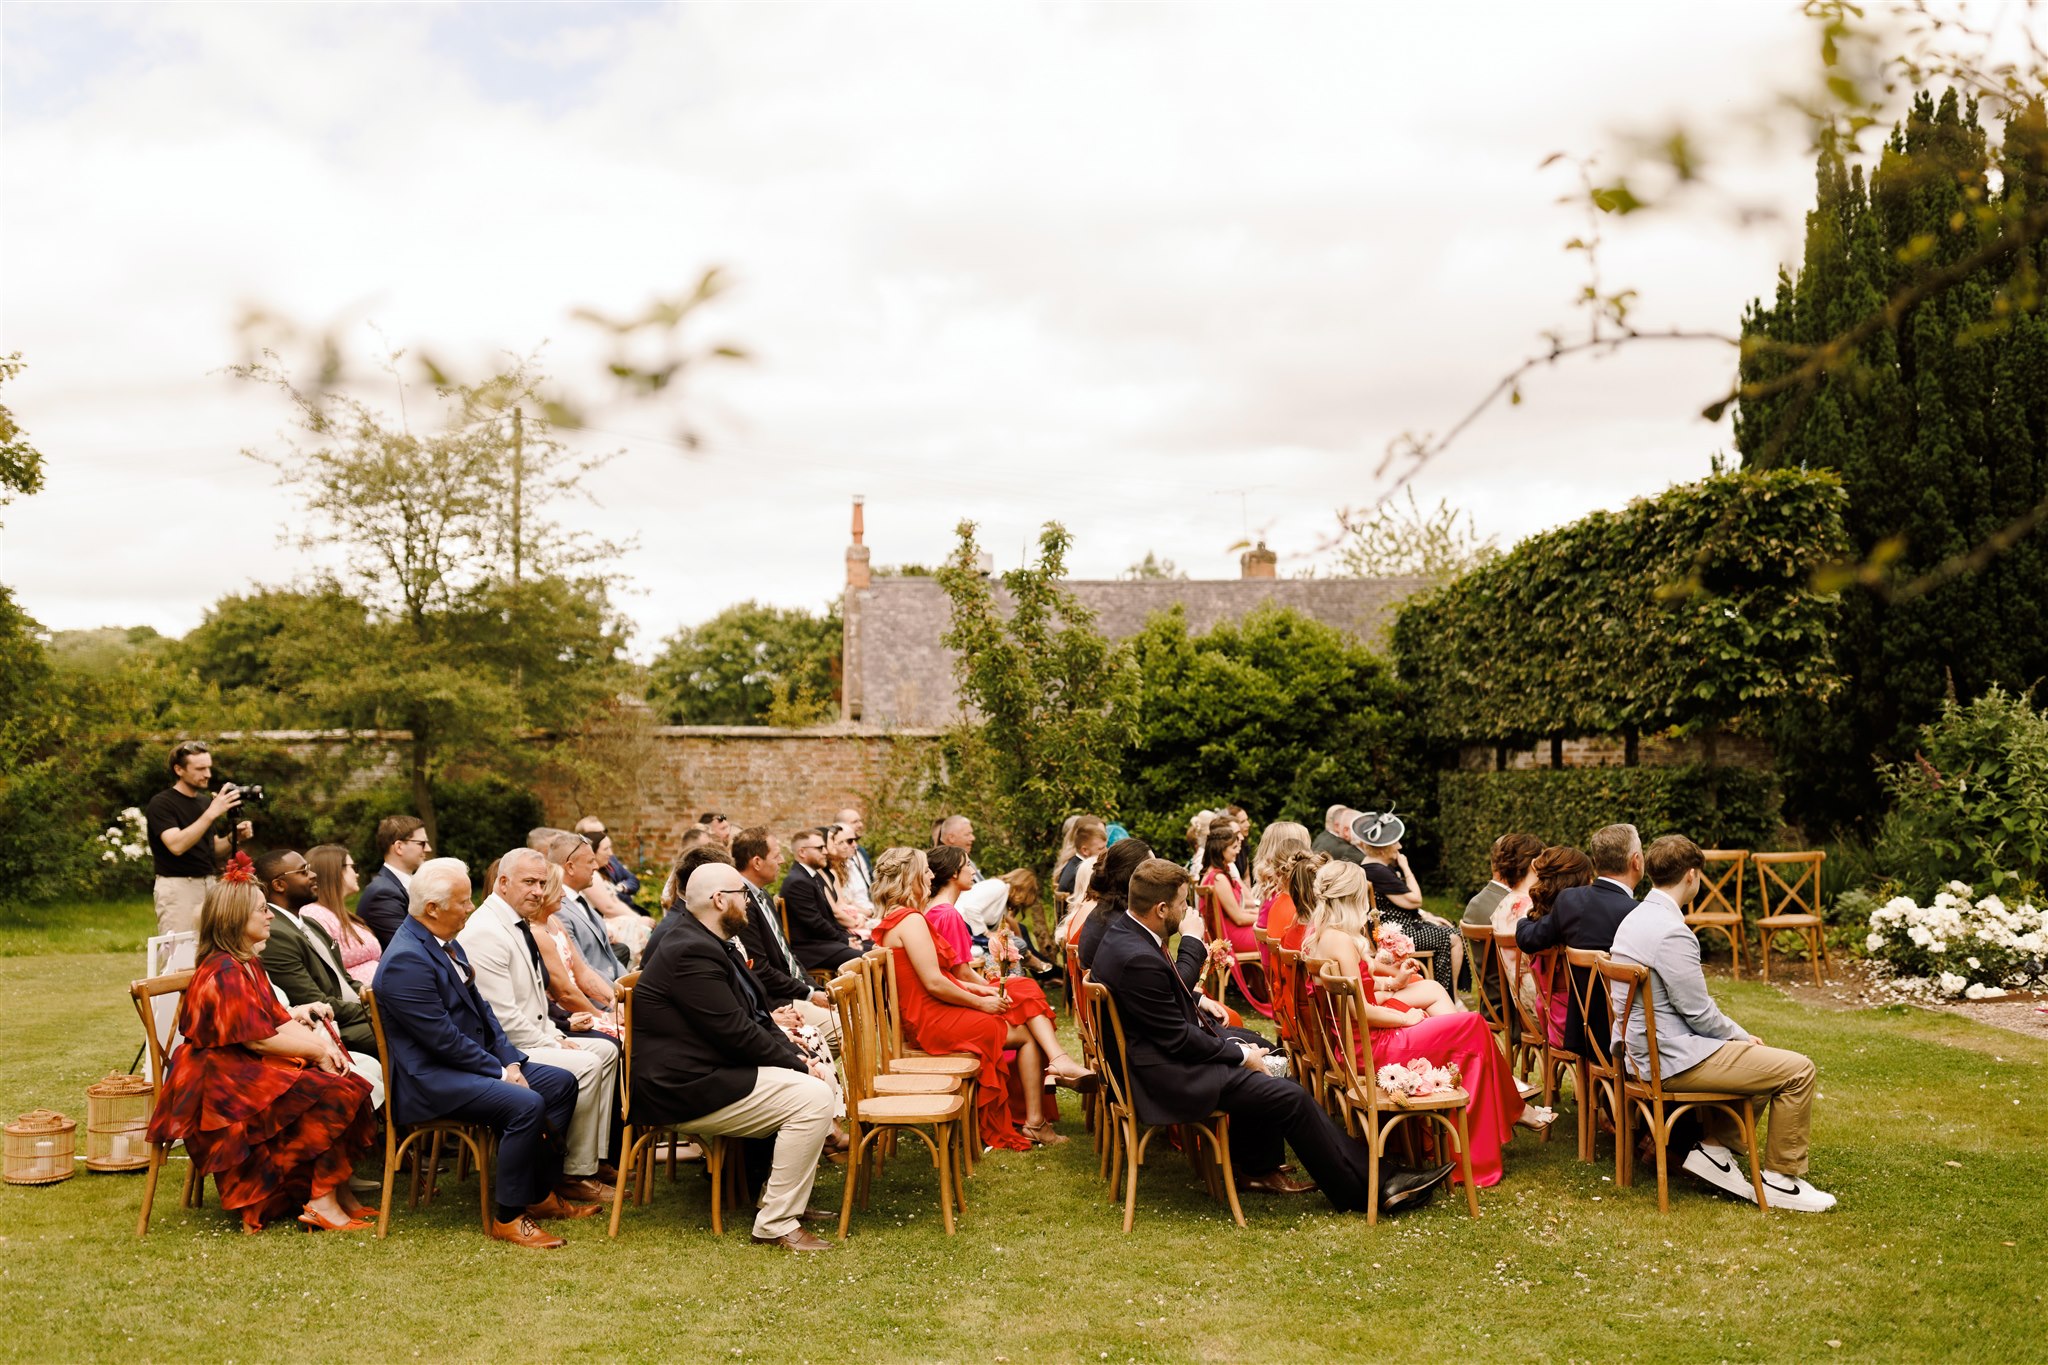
1932 1130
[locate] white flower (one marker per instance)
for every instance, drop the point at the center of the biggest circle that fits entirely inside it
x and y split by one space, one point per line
1978 991
1959 888
1939 945
1972 963
108 856
1873 943
113 831
1950 984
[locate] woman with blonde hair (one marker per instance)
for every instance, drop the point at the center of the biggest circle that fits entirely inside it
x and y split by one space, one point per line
261 1096
571 982
1282 841
946 1008
1344 932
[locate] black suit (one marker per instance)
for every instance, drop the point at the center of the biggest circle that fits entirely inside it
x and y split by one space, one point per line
762 938
701 1029
815 934
383 905
1583 917
1181 1070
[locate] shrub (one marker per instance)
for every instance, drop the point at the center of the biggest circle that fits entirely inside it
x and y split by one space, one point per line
1973 803
1961 946
1717 807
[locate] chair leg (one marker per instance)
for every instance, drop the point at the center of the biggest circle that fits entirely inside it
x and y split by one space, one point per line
626 1164
1659 1131
1131 1156
855 1154
956 1131
393 1151
1756 1155
714 1166
1372 1177
193 1196
156 1161
1624 1136
483 1179
1465 1165
941 1158
1764 950
1814 949
1229 1176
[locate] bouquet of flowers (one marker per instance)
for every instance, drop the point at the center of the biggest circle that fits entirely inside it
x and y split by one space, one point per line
1418 1079
1396 942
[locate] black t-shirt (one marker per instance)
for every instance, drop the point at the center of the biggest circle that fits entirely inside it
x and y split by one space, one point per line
171 809
1386 880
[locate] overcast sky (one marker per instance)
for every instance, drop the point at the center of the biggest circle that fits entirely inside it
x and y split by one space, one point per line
1167 273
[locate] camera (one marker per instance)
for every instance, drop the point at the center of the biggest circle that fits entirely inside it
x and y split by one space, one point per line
251 796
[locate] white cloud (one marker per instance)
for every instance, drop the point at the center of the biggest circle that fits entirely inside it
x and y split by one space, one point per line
1163 272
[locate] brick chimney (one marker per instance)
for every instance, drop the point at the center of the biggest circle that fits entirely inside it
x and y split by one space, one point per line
1259 562
857 574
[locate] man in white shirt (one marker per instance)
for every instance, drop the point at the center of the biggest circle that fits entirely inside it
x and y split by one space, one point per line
1700 1048
498 940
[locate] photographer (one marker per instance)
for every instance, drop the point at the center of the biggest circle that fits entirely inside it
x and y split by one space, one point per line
182 843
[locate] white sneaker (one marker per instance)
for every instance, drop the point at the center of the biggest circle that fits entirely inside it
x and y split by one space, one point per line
1791 1192
1718 1167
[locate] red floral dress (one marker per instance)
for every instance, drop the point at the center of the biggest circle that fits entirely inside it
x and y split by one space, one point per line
273 1132
939 1027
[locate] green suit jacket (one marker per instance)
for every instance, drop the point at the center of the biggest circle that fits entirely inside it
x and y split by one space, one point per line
297 968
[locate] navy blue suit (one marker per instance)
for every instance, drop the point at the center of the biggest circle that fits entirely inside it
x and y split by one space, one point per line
383 905
1583 917
448 1056
1181 1069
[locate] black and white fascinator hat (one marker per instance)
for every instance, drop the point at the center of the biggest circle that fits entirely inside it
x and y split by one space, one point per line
1378 829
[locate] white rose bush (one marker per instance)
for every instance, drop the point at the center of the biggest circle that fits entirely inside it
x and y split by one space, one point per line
1958 945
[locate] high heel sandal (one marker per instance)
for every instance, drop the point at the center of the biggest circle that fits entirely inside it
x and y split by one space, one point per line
1083 1082
1042 1135
1536 1118
314 1222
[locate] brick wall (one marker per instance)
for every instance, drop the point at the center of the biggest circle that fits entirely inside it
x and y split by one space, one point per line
1610 751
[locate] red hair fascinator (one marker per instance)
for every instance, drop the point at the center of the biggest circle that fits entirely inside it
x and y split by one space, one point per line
239 870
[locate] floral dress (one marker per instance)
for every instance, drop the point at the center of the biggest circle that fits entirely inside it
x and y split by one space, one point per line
274 1132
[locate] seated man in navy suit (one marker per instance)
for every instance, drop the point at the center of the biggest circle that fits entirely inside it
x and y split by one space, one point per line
1181 1070
1587 916
450 1059
401 847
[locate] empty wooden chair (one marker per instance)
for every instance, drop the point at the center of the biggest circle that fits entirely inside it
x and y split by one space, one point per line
145 994
1719 903
1375 1114
723 1156
1601 1065
1547 984
1789 903
1630 986
939 1121
1489 985
1130 1138
477 1139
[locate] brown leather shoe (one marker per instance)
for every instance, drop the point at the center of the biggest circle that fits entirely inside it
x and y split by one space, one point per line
554 1206
800 1240
585 1191
1276 1183
524 1232
820 1217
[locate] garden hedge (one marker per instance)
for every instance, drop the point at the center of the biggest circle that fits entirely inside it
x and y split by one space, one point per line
1718 808
1696 608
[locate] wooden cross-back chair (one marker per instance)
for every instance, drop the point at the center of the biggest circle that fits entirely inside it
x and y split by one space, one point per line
1791 906
724 1157
1223 972
1130 1138
1602 1064
1312 1030
1376 1115
145 994
1718 906
477 1141
872 1115
1489 984
1661 1108
877 970
1548 984
1283 1008
1091 1052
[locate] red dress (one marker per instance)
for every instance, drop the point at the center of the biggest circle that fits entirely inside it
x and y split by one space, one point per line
273 1132
1242 939
938 1027
1465 1039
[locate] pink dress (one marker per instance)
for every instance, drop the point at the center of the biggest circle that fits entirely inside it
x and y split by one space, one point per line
1513 909
949 925
1242 939
358 954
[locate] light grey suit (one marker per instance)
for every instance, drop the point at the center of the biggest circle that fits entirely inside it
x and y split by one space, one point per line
1479 910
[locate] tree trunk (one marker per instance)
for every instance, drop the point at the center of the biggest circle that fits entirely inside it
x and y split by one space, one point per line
1710 755
422 797
1631 749
1557 751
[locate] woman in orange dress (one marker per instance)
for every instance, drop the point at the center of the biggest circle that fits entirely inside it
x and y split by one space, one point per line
946 1008
1342 932
262 1097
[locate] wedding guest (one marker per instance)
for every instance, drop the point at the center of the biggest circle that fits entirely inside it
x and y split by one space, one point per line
1343 933
671 890
452 1060
624 928
861 871
1587 916
261 1096
843 869
1398 895
1066 849
334 877
610 866
578 861
1091 838
402 846
777 970
819 935
503 948
1241 818
1180 1069
183 848
1291 908
947 868
695 856
298 955
1700 1048
957 831
707 1055
1509 862
1534 896
946 1008
572 984
1281 843
1336 841
716 827
1110 885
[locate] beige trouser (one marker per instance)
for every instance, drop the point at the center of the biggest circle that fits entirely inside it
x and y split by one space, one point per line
797 1108
178 902
1784 1078
595 1065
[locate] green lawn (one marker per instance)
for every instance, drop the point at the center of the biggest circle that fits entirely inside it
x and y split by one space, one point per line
1932 1131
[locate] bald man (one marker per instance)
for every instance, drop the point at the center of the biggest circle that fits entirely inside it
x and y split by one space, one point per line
708 1056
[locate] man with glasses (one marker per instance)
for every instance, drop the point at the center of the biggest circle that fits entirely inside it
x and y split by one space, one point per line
716 827
401 847
708 1056
818 932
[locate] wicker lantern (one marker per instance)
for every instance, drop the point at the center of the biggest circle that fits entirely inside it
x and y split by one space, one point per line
40 1146
116 1123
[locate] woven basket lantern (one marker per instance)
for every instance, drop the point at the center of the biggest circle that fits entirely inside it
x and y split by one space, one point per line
116 1121
40 1147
